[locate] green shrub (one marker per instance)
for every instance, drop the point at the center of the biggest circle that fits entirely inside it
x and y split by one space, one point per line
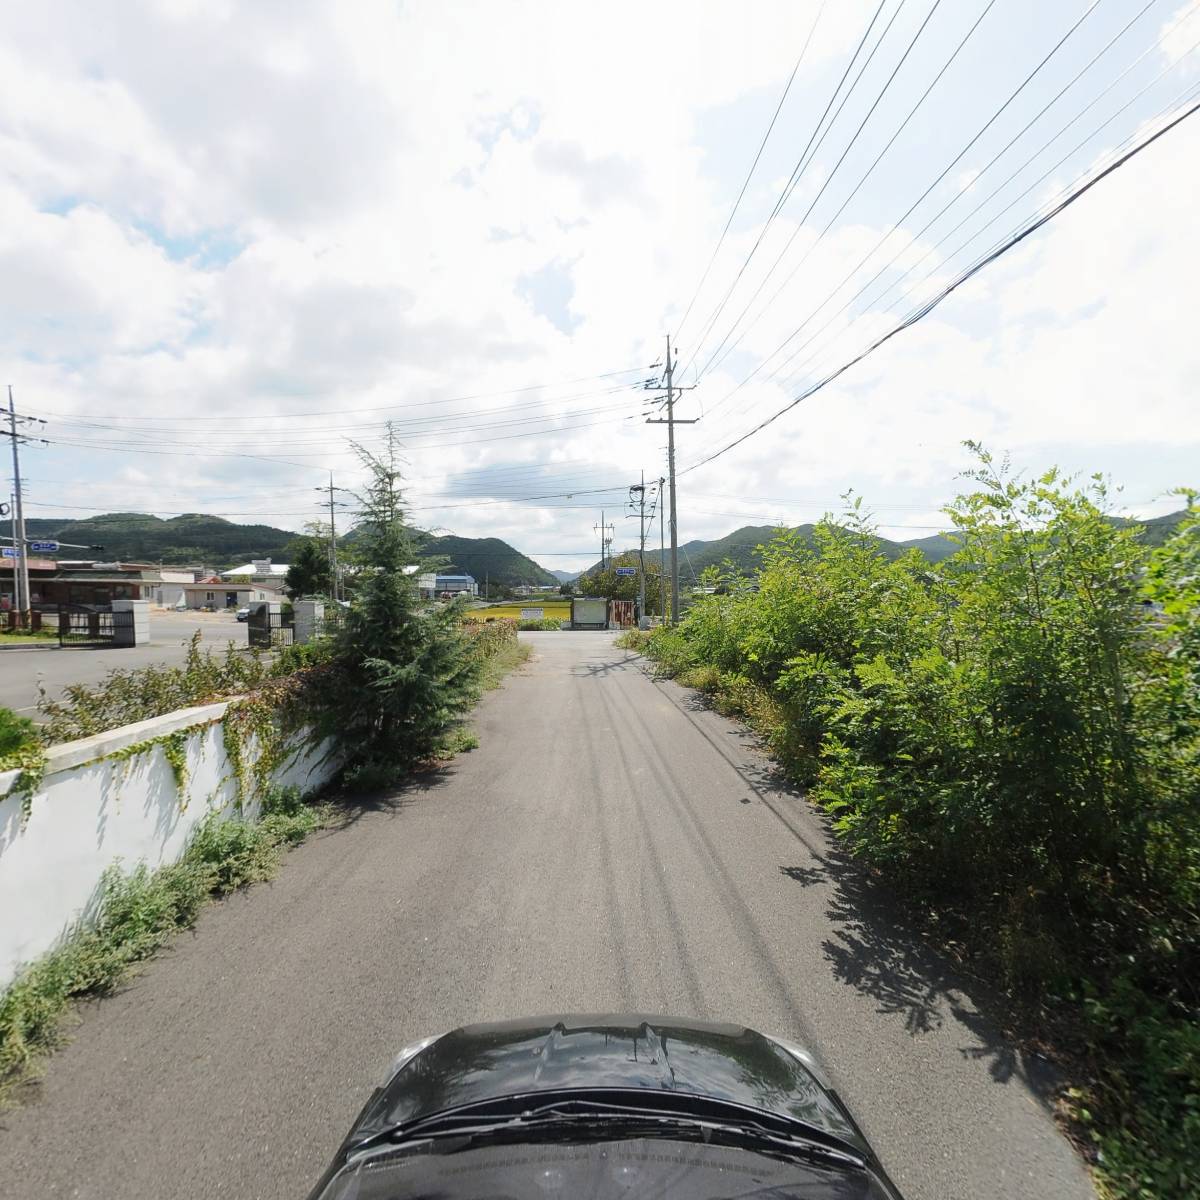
126 696
16 732
1008 736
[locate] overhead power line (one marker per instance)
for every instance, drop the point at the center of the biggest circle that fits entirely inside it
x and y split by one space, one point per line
753 168
226 418
912 112
800 224
1176 103
952 287
797 172
919 200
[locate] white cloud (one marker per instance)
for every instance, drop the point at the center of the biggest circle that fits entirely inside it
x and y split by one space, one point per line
250 211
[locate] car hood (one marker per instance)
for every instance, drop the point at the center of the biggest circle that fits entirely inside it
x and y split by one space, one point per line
590 1051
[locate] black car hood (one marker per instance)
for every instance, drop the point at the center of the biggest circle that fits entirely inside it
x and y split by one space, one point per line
591 1051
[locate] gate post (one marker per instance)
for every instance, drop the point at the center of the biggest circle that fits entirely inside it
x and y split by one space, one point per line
136 633
309 617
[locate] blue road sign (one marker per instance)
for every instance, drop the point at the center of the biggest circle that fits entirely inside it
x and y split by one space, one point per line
627 570
43 547
9 552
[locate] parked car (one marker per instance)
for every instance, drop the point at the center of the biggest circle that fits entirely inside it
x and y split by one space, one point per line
243 613
604 1106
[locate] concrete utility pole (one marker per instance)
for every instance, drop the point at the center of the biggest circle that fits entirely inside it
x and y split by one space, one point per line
640 489
333 559
21 562
670 423
605 539
662 553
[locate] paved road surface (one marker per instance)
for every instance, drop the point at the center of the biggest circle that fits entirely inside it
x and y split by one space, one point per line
20 669
610 845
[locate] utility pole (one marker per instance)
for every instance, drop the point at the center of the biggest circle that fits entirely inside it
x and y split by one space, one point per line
21 562
333 562
605 539
670 423
640 488
334 583
662 553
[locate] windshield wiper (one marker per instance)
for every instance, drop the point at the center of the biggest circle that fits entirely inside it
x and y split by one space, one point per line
574 1118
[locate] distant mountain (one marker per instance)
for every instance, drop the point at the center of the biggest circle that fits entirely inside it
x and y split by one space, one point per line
214 541
934 548
565 576
486 559
140 537
741 546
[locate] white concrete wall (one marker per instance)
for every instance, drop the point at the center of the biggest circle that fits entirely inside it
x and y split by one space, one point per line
140 633
92 810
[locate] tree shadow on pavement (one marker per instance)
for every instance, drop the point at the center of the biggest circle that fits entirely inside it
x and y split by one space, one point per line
873 950
876 952
608 667
349 808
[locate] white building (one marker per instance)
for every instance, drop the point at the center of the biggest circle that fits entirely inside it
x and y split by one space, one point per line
259 570
426 582
219 594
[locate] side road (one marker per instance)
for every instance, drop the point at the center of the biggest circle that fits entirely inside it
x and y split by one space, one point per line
610 845
21 669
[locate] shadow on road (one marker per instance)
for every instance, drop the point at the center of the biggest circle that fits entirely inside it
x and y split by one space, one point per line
874 951
352 807
595 670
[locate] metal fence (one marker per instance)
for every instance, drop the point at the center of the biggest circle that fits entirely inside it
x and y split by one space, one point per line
94 627
267 630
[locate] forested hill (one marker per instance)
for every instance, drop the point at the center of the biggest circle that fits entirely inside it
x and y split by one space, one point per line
741 546
196 538
140 537
486 559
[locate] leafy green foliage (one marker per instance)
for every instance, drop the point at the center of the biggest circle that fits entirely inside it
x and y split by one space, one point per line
608 583
403 669
16 732
1013 735
308 572
126 696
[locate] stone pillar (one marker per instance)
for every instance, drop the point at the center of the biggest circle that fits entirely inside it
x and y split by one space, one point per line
309 618
140 633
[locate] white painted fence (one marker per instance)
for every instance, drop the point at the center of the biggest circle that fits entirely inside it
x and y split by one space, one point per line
95 807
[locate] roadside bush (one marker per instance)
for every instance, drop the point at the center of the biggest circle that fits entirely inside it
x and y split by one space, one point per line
544 625
1013 736
126 696
16 732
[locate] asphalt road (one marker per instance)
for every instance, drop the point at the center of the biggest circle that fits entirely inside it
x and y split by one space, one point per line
610 845
56 667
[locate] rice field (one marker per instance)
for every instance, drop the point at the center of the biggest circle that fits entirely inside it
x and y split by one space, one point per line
558 610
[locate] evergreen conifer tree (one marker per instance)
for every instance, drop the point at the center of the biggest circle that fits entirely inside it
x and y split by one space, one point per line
405 668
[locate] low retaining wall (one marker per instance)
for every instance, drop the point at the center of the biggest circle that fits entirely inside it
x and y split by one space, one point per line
116 797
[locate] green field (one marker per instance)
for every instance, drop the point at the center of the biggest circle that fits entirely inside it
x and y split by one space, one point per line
559 610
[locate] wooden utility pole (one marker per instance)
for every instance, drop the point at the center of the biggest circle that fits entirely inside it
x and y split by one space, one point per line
670 423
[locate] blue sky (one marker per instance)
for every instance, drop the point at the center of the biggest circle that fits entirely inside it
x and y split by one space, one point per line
234 238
